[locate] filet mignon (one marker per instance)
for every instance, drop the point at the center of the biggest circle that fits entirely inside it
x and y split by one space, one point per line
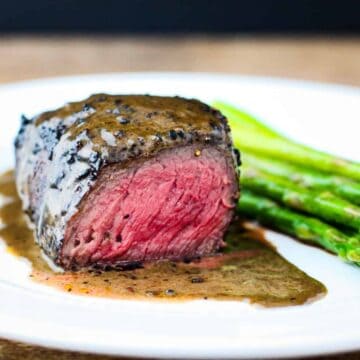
114 181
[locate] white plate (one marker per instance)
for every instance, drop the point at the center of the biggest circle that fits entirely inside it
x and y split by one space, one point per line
327 117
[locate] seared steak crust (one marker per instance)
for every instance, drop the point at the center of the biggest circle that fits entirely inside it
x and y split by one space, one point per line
60 154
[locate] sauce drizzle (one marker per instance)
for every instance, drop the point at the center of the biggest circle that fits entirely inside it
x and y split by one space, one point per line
248 268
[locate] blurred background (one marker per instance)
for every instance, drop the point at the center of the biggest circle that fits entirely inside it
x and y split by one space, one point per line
305 39
180 16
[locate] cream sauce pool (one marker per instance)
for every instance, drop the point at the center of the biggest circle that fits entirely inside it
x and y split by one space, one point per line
248 268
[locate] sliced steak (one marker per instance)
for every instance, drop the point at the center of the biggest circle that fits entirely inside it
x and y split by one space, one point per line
114 181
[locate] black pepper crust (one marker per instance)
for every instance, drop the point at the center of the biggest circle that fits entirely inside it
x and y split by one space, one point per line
61 152
134 116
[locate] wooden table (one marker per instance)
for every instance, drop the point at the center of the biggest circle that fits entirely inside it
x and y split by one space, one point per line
321 59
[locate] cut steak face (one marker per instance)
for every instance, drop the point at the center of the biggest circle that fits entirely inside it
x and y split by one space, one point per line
173 206
115 181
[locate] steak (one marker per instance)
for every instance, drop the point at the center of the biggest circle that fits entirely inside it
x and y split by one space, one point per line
116 180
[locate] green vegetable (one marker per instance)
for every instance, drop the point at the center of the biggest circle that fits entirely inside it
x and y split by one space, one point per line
251 135
300 178
320 204
306 178
306 228
238 117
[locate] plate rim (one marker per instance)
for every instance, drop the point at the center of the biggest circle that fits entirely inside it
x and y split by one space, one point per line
287 81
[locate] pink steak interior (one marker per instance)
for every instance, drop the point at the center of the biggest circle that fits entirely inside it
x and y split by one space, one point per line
175 205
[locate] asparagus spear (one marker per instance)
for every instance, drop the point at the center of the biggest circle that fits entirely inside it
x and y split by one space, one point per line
236 115
304 227
306 178
249 134
320 204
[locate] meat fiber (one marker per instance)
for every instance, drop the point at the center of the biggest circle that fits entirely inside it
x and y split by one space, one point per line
114 181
